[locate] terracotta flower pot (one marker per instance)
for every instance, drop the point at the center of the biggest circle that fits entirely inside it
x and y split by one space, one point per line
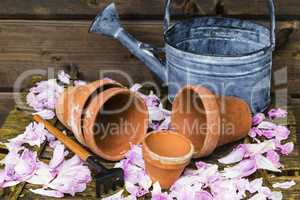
62 103
114 120
166 154
73 102
208 120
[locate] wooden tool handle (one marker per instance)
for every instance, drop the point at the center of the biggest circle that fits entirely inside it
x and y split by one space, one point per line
69 143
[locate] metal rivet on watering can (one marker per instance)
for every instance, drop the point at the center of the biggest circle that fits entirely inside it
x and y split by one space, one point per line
231 57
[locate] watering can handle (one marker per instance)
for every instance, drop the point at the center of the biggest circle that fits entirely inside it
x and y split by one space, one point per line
271 6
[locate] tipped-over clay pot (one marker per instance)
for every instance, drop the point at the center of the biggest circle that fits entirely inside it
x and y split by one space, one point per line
73 102
114 120
208 120
166 154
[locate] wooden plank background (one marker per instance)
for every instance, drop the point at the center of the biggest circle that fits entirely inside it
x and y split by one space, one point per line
43 34
146 9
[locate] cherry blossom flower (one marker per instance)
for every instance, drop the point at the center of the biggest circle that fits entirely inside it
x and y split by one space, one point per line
157 194
34 134
63 77
257 119
160 118
276 113
44 95
287 148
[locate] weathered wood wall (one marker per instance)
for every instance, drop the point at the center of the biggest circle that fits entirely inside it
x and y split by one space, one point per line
43 34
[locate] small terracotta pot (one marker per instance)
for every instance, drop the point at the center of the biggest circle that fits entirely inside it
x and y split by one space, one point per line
166 154
208 120
73 102
114 120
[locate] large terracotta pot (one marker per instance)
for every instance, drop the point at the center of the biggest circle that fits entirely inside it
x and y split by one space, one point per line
73 102
208 120
114 120
166 154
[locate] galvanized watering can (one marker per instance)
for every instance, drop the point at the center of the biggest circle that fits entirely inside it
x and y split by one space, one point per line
229 56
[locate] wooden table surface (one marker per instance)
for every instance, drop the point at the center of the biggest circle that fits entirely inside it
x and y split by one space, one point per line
17 120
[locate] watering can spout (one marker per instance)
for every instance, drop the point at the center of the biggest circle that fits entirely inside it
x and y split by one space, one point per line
107 23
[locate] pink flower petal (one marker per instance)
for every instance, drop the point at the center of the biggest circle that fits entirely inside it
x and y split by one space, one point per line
235 156
255 185
201 164
257 119
264 163
58 156
242 169
45 114
63 77
254 132
42 175
284 185
157 194
287 148
26 165
44 95
204 195
48 193
259 148
79 82
258 196
282 132
10 183
276 196
274 158
277 113
266 125
136 87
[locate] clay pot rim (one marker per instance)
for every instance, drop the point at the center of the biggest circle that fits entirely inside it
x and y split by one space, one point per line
92 88
209 143
89 135
179 160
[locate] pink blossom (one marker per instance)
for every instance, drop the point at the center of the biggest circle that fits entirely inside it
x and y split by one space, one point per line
160 118
264 163
254 132
18 167
137 182
270 130
274 158
267 125
204 195
157 194
235 156
58 156
287 148
44 95
282 132
63 77
243 169
257 119
79 82
276 113
34 134
42 176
